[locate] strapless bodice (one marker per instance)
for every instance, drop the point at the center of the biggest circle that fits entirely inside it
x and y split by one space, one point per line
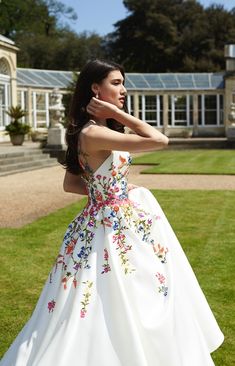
109 181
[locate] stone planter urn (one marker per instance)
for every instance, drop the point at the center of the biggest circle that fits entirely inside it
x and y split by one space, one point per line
17 139
16 129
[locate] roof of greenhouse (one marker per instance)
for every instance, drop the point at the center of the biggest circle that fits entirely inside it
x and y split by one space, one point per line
44 78
134 81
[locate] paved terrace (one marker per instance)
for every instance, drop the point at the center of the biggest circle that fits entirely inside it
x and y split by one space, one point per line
27 196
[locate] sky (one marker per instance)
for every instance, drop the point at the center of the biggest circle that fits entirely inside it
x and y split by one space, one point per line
100 15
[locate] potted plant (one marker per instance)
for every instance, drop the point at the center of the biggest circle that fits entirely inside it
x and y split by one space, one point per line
16 129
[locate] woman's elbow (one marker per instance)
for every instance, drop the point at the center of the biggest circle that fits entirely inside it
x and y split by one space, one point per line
162 142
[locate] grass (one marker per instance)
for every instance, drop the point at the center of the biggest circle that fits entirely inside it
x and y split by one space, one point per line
195 161
203 221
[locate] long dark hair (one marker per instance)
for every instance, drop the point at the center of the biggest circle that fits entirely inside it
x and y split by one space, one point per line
93 72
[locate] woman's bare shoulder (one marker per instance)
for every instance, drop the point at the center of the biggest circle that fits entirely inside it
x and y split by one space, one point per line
91 129
90 136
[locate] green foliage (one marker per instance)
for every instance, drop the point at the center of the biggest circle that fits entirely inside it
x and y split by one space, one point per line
67 98
16 127
172 35
203 222
16 113
43 41
195 161
31 17
156 36
64 50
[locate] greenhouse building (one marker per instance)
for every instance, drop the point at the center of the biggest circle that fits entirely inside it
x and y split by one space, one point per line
179 104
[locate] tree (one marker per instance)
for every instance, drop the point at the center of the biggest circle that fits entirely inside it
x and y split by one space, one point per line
62 51
145 38
31 16
171 35
222 31
44 43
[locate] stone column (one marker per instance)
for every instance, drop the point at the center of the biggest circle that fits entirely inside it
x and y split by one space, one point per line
136 105
135 110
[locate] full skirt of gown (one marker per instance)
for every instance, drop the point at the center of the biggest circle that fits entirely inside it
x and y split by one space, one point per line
121 291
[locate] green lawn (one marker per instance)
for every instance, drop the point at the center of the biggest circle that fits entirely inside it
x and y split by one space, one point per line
188 162
203 221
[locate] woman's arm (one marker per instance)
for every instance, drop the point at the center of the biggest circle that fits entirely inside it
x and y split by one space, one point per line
74 184
145 138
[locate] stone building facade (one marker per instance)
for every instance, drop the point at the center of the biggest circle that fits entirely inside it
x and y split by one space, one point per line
179 104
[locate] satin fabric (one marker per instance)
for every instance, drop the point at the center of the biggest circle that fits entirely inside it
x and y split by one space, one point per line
121 291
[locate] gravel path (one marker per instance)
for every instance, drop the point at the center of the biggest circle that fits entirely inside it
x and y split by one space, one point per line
27 196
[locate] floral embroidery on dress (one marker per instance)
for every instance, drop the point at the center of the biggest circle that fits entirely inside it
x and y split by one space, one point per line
51 306
109 207
106 266
86 298
78 234
162 280
143 225
119 239
160 252
104 193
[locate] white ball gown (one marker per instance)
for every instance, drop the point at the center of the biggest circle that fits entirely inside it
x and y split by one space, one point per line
121 292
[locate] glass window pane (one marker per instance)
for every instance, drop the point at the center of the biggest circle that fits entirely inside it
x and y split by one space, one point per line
19 97
2 105
169 118
169 103
210 102
180 102
199 102
41 119
221 112
150 102
210 118
180 116
150 116
222 101
40 100
5 97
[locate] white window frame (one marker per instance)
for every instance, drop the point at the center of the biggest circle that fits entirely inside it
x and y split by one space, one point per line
187 111
157 122
22 101
36 111
5 83
218 111
129 97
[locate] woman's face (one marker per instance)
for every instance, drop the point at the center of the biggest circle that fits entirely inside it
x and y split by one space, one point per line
112 90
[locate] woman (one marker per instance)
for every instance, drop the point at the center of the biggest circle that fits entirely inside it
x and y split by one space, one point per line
121 292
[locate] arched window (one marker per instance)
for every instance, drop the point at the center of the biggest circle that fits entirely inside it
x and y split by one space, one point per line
4 67
4 92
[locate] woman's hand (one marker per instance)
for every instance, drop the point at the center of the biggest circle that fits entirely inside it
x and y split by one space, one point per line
100 109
